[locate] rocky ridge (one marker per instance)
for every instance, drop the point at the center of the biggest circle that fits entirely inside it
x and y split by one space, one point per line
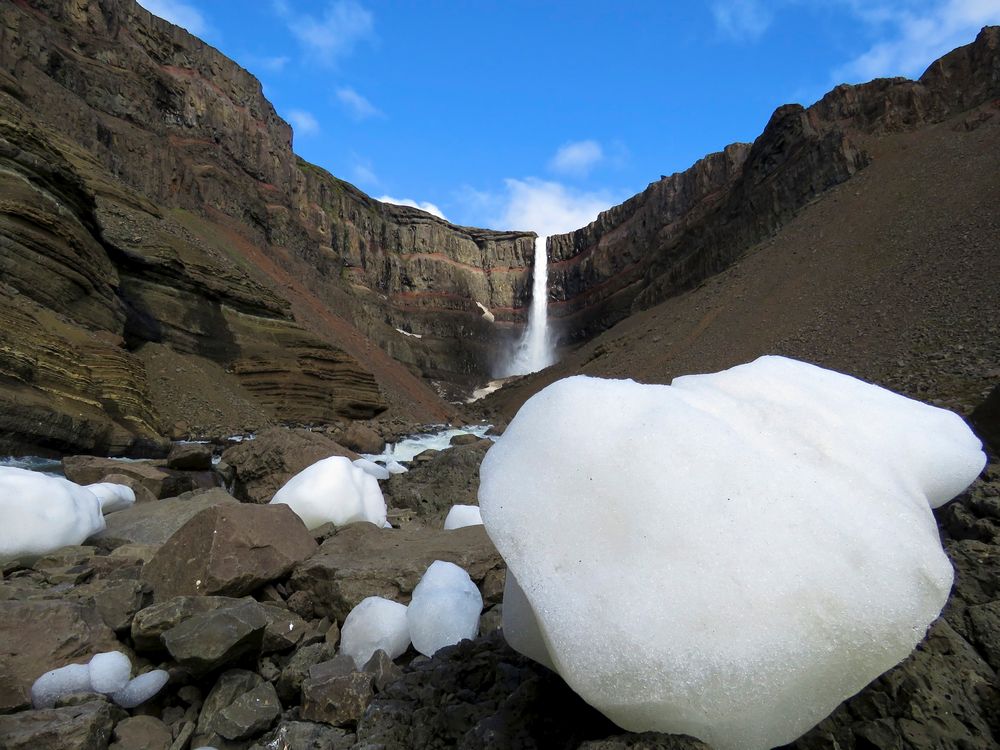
693 224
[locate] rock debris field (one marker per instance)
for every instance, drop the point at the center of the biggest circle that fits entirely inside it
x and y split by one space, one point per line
734 559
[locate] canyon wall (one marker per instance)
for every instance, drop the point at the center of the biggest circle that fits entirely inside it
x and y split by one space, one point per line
691 225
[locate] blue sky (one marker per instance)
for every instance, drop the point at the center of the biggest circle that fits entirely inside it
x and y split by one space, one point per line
518 114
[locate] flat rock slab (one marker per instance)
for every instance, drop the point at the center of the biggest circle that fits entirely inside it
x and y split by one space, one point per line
264 464
155 477
36 636
84 727
141 733
156 522
229 550
363 560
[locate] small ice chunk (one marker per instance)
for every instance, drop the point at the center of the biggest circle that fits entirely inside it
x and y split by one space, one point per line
112 496
375 623
379 472
42 513
394 467
463 515
140 689
445 608
333 491
109 672
51 686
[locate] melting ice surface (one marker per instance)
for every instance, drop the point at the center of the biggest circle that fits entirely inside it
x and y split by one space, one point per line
407 448
730 556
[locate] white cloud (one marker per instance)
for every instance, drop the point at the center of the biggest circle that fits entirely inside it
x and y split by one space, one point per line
304 123
178 13
914 35
342 27
362 173
744 20
273 64
359 107
422 205
548 207
577 158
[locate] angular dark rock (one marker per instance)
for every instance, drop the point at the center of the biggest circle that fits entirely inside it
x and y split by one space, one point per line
337 699
264 464
156 522
249 714
84 727
430 488
36 636
362 560
208 641
150 623
645 741
297 669
382 669
361 439
229 550
159 480
285 629
228 690
305 735
190 457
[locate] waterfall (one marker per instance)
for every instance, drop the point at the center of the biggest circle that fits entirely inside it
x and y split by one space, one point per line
534 351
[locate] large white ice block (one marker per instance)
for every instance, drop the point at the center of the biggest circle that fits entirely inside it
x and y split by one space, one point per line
730 556
375 623
333 491
444 609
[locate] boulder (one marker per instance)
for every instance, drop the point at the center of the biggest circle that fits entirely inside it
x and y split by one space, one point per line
361 561
297 669
190 457
262 465
141 733
36 636
229 710
149 624
159 480
142 493
431 487
229 550
205 642
83 727
358 437
154 523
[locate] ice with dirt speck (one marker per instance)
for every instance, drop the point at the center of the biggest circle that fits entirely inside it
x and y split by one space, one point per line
730 556
444 609
461 516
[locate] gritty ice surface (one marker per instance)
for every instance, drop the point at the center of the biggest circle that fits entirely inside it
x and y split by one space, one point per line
140 689
375 623
730 556
109 671
42 513
112 496
463 515
51 686
106 673
333 490
445 608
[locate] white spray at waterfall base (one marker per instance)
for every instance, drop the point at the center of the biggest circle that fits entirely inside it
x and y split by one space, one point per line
534 351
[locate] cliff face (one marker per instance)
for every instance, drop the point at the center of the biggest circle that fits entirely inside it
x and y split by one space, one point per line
689 226
151 197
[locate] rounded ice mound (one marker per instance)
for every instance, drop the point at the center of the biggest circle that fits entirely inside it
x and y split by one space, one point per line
730 556
140 689
375 623
445 608
54 684
112 496
463 515
41 514
109 671
379 472
333 491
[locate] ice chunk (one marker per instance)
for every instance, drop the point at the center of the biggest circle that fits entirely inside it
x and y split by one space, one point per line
333 491
463 515
140 689
379 472
394 467
728 557
375 623
445 608
51 686
109 671
42 513
112 496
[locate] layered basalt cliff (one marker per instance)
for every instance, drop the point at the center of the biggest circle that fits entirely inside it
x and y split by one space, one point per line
151 197
688 226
